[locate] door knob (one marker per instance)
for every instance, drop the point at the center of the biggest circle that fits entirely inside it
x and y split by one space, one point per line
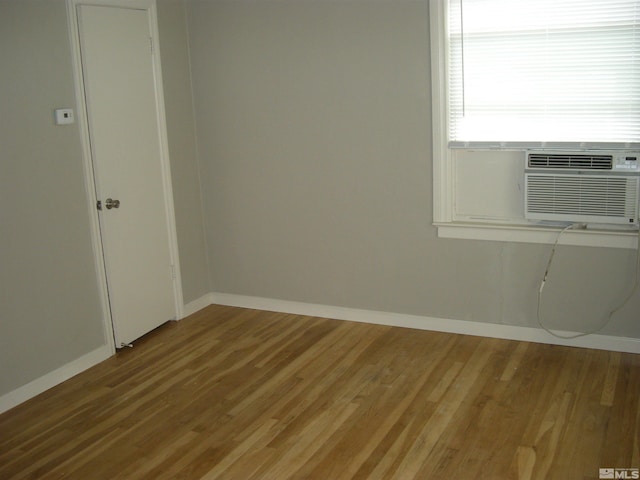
110 203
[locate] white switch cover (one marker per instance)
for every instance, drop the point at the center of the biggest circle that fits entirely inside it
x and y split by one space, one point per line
64 116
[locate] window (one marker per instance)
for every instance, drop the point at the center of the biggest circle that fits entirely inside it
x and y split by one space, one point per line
511 75
543 71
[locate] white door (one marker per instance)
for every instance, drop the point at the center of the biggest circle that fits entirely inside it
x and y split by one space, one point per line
123 120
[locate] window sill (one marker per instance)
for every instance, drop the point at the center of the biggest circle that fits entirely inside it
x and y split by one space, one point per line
590 237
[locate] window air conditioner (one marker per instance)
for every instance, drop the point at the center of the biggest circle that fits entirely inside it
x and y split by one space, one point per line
582 187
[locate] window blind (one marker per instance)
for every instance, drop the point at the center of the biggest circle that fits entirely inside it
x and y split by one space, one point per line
544 73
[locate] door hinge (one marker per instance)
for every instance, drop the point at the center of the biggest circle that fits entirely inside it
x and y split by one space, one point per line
99 204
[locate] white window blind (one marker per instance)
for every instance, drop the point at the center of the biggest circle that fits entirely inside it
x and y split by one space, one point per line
544 73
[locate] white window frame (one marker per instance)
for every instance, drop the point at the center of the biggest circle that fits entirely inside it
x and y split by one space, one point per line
444 180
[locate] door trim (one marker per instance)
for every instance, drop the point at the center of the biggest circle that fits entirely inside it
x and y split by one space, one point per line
89 174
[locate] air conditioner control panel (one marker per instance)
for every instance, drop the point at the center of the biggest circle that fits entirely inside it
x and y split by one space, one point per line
626 162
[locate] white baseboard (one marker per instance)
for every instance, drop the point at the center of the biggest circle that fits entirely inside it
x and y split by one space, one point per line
52 379
198 304
465 327
508 332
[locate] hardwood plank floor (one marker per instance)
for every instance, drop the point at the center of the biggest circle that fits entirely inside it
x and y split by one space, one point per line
232 393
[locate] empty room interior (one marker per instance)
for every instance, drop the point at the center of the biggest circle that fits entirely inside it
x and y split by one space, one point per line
388 246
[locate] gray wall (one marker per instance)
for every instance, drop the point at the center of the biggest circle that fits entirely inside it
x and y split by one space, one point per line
182 149
313 121
51 312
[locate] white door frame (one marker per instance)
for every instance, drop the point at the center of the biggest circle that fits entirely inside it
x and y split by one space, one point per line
90 183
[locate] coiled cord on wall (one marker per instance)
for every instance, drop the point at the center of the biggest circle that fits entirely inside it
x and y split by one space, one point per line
611 313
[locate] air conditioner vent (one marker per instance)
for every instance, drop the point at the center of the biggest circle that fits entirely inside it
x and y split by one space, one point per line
576 161
582 198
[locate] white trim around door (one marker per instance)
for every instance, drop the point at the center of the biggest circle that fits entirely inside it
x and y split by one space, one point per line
89 174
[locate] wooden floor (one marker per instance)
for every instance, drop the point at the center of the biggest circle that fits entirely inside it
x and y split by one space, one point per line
232 393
